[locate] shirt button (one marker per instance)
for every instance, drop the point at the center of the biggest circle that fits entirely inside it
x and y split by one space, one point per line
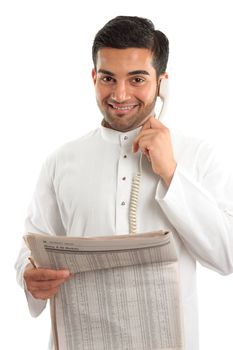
122 203
125 137
124 178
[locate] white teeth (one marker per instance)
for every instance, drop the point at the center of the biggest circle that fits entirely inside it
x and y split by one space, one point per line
123 108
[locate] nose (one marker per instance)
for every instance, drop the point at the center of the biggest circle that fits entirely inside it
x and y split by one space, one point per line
120 92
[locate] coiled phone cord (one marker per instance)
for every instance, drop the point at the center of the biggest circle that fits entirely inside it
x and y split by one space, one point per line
134 199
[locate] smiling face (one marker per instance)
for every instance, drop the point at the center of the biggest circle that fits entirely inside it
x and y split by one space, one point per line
126 87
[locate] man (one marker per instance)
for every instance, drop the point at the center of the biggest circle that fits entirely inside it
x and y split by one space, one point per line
84 188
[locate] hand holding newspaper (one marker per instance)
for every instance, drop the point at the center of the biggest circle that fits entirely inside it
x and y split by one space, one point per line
124 294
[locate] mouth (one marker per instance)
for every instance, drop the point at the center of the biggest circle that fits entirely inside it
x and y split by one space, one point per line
122 108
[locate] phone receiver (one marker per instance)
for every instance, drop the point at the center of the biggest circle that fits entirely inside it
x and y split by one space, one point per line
163 94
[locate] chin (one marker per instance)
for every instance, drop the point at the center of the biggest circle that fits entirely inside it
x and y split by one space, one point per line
120 125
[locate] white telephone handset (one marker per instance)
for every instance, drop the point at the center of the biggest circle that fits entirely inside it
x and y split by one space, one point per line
163 94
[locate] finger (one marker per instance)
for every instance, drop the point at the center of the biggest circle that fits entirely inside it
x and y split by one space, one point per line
44 295
152 123
146 125
45 285
143 133
143 145
46 274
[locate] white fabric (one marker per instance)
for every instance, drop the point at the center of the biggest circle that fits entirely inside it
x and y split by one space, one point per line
82 191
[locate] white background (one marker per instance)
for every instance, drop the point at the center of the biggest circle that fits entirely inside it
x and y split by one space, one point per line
47 99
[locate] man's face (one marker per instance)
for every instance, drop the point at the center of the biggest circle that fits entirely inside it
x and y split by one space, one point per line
126 87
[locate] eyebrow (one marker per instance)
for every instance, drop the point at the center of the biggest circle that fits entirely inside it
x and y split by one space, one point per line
134 72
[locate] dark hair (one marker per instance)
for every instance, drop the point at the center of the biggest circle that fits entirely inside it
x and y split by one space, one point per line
124 32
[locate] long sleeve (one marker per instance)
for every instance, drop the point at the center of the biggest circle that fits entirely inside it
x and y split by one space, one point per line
199 204
43 217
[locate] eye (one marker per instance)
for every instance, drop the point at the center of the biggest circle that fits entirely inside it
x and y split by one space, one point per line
137 80
107 79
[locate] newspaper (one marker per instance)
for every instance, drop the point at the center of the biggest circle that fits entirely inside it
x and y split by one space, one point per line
124 294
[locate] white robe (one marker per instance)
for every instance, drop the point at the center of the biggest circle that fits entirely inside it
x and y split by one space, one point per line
84 189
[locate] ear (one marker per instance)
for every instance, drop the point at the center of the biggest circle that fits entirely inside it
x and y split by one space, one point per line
93 73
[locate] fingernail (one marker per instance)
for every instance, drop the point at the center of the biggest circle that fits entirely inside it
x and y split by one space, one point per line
66 273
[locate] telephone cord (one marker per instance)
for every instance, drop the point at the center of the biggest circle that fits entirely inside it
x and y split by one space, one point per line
134 199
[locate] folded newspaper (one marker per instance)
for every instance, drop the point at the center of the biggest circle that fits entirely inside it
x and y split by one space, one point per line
124 294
